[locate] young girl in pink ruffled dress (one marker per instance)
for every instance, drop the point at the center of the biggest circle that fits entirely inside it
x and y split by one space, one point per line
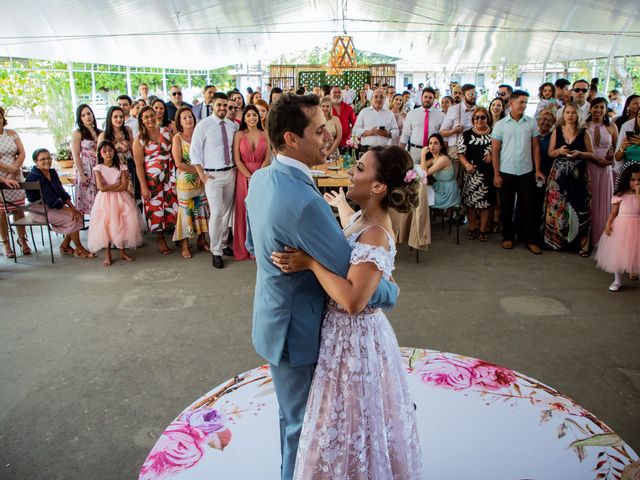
115 220
619 247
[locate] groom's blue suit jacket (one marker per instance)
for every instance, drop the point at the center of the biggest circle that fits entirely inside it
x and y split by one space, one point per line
284 207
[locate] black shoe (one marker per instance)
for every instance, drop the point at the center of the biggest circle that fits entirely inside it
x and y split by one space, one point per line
216 260
228 252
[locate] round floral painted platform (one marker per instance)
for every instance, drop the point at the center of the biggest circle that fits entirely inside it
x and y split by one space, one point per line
476 420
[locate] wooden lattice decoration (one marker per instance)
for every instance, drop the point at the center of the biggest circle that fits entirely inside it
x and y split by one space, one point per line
343 55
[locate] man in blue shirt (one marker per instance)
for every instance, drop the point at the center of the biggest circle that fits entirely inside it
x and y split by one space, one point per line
516 156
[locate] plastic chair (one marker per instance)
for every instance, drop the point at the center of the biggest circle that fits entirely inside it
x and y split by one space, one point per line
27 220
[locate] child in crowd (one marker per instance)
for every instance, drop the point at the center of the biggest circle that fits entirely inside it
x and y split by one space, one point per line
115 220
619 247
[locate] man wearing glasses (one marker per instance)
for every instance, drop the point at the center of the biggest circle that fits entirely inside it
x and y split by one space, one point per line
232 111
175 102
580 90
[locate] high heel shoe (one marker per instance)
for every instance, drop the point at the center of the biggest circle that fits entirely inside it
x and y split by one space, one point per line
24 247
7 250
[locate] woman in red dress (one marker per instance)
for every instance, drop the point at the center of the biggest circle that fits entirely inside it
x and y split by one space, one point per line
250 152
154 167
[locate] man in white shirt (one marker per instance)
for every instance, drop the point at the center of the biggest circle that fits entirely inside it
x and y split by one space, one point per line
391 91
368 91
211 155
615 102
416 131
375 124
417 95
205 108
457 120
143 89
124 102
580 89
348 95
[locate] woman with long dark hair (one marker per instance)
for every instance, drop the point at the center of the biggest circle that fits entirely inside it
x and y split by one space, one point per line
160 109
631 107
83 148
250 152
436 162
604 135
154 166
567 214
121 136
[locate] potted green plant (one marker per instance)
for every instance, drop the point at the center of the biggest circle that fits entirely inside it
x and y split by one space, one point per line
63 157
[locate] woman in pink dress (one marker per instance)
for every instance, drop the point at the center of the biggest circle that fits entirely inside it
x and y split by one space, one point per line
250 152
154 167
115 220
604 135
83 148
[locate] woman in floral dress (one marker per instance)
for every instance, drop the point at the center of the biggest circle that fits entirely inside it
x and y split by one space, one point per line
11 159
193 209
567 201
154 167
478 193
84 141
122 137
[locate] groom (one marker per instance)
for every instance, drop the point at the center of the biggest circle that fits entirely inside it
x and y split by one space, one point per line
284 207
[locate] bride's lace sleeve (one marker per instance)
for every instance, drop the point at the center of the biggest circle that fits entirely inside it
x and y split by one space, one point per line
364 253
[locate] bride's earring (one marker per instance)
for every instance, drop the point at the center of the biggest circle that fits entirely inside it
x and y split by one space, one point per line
371 192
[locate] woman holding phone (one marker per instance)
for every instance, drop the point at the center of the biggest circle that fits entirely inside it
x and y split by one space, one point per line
629 150
567 200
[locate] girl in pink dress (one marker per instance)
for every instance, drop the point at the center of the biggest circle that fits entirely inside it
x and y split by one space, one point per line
115 220
619 248
250 152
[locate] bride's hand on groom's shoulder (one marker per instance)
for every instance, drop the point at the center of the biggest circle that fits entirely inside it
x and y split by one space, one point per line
291 260
334 198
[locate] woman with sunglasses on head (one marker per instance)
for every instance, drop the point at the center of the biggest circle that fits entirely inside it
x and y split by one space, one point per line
84 141
604 135
478 192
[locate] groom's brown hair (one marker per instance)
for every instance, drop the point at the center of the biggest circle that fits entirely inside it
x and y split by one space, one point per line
291 113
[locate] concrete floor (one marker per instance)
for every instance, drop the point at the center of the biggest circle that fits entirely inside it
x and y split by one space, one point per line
96 362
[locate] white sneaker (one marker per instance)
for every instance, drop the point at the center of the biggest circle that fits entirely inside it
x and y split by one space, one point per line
614 287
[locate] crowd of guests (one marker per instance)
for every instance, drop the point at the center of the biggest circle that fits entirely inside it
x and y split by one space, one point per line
547 180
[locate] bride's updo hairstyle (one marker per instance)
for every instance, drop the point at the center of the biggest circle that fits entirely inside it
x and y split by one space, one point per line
393 164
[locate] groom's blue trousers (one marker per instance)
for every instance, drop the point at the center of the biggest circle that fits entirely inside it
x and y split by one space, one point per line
292 386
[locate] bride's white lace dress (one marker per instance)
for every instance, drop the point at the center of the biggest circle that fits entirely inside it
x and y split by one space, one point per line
360 419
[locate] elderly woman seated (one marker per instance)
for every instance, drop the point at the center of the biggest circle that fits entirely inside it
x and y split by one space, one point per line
63 216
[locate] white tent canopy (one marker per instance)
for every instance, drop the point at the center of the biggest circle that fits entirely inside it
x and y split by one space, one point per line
210 34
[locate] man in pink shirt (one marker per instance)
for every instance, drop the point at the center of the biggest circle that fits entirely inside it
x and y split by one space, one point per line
344 112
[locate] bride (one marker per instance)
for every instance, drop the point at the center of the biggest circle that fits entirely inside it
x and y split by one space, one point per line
360 420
